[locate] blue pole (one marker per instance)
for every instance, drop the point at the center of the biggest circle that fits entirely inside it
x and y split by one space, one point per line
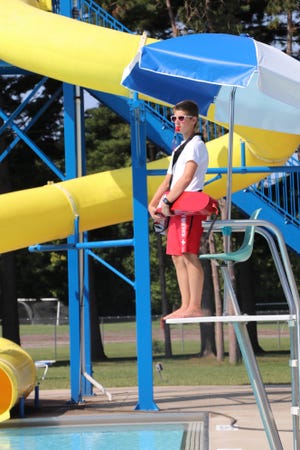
141 257
73 261
73 271
243 154
66 8
86 385
83 260
79 316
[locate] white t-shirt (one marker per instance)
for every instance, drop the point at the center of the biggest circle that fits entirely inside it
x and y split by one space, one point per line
195 150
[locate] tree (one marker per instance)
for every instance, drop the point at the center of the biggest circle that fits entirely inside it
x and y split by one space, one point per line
10 179
270 21
175 30
283 18
141 15
97 349
8 303
107 140
211 16
108 147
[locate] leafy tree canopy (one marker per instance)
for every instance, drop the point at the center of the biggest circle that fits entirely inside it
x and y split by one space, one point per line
270 21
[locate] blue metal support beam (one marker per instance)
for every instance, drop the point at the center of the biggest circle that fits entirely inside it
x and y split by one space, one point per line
31 144
73 257
21 133
25 101
80 341
86 353
78 267
141 257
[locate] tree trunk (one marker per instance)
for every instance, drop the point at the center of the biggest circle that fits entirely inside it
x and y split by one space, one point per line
234 353
219 329
245 282
172 19
207 330
10 318
290 32
97 349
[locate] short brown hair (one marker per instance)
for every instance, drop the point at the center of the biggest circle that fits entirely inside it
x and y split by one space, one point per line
188 106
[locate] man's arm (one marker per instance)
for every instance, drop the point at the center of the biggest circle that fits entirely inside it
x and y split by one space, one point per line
180 185
163 187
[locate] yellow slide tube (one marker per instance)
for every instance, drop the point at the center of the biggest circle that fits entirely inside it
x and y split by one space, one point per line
65 49
17 376
47 213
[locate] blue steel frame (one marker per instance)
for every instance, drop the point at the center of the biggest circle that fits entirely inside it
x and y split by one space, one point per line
76 263
141 256
80 351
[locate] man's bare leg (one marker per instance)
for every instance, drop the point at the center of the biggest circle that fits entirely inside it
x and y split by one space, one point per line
196 282
184 287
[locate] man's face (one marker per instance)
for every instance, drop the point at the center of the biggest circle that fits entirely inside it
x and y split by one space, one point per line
184 123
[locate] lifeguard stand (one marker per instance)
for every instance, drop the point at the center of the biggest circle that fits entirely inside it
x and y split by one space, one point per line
239 320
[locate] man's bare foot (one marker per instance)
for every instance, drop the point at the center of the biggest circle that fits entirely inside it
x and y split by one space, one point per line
177 314
193 313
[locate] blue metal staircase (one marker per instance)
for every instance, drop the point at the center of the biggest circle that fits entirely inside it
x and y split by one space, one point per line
279 197
248 200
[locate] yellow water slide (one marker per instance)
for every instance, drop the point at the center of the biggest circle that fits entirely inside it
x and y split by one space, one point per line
37 40
17 376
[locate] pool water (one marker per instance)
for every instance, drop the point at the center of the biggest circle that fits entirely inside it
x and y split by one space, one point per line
168 436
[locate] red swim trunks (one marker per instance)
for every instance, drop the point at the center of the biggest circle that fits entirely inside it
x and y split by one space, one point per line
184 234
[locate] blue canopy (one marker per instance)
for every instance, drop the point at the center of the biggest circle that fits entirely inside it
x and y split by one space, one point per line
205 67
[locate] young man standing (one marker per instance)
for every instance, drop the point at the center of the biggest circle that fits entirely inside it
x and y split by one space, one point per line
184 232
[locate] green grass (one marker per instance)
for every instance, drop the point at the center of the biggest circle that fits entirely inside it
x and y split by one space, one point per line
44 330
184 368
193 370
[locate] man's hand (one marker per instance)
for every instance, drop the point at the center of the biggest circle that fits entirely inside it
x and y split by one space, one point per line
166 210
153 213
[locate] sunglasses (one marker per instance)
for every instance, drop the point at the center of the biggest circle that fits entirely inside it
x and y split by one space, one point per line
180 118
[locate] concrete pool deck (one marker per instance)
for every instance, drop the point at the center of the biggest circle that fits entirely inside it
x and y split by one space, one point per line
234 419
